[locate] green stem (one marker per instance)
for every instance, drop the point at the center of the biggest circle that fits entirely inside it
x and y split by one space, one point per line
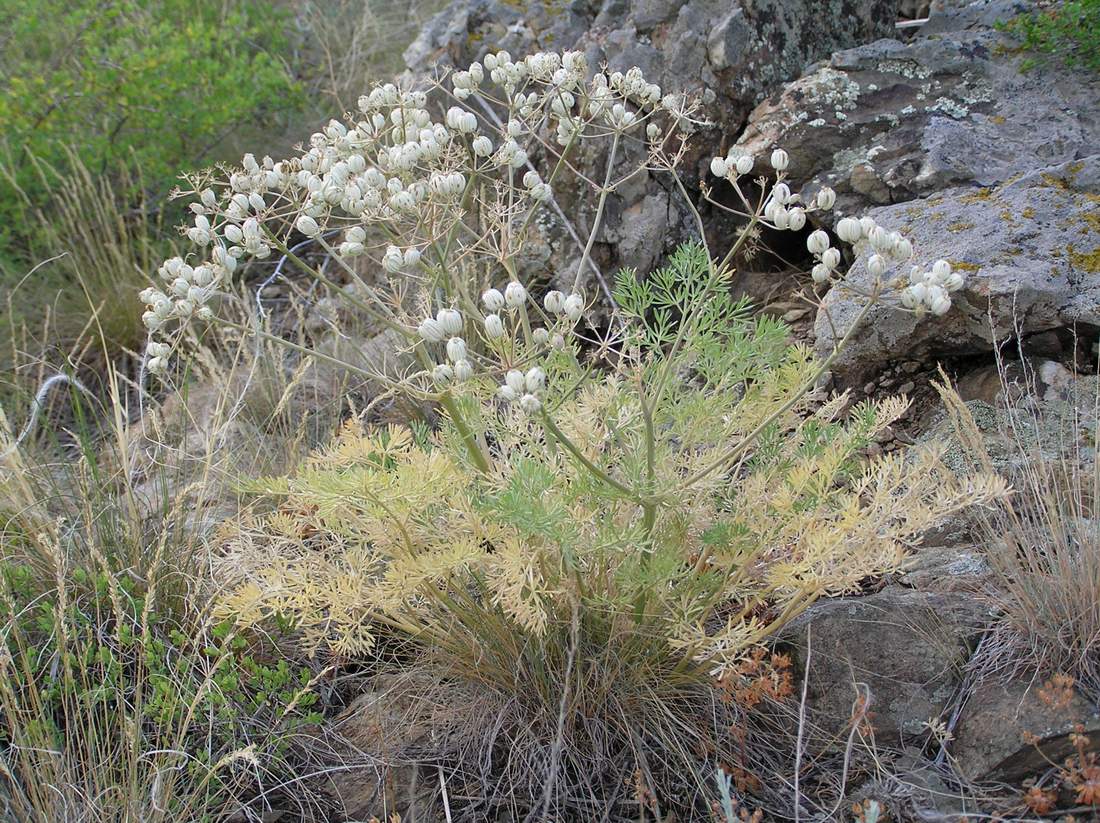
558 435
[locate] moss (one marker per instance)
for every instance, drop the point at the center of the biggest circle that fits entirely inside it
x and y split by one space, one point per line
1088 261
997 120
962 265
960 226
1092 220
1028 212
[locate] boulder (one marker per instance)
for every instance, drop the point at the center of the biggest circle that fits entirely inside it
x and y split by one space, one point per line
376 772
892 121
998 718
1030 250
729 53
907 647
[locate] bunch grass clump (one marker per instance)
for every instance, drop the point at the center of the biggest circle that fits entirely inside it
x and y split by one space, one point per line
1043 544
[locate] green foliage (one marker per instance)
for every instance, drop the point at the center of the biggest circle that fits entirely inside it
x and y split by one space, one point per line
156 82
94 676
1069 31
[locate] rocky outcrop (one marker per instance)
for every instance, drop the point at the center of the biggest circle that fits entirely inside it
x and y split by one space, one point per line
893 121
946 139
1030 249
729 53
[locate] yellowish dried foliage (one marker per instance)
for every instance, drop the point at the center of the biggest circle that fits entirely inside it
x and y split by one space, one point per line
694 499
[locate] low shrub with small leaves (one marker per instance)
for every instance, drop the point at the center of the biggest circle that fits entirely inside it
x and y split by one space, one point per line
110 710
1068 31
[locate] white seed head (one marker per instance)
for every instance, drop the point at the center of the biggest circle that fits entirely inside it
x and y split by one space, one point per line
530 404
553 301
482 146
876 265
456 349
796 219
719 166
573 307
831 258
430 331
450 320
494 326
516 381
540 335
745 163
393 260
826 197
443 374
535 380
849 229
493 300
307 226
937 300
780 160
507 394
515 295
817 242
464 370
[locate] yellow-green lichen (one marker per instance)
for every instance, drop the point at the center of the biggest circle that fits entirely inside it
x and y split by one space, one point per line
1088 261
982 195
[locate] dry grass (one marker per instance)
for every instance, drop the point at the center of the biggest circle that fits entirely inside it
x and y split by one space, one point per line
1043 545
361 42
99 244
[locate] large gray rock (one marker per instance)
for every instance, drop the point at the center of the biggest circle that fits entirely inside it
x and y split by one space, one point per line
729 53
889 121
907 647
1030 249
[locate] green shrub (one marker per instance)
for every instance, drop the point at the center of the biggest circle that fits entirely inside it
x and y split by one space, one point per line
1069 31
159 82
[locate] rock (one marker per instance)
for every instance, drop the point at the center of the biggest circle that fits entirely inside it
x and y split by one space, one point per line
907 646
888 122
1053 427
375 775
1030 250
989 740
729 53
954 568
